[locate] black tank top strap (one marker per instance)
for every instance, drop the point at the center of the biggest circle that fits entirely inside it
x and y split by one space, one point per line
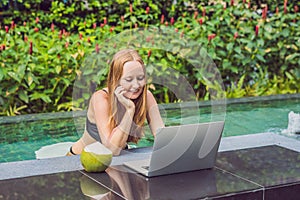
104 90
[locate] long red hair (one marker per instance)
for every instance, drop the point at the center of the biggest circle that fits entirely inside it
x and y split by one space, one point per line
116 110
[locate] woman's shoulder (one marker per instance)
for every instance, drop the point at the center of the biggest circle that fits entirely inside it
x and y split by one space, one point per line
101 94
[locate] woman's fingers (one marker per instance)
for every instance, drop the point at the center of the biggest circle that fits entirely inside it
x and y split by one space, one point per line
119 92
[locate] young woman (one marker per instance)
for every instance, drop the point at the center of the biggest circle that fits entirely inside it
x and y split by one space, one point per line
117 113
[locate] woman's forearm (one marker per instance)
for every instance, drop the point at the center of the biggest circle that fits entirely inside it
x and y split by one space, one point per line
119 135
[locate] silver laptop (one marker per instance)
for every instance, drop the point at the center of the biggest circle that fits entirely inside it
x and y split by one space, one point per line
181 149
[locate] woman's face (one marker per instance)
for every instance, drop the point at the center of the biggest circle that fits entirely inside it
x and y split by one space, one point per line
133 79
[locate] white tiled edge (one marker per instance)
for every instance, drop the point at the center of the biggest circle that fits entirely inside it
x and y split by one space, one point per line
28 168
258 140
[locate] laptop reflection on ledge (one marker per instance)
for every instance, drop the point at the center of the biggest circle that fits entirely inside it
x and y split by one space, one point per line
189 185
181 148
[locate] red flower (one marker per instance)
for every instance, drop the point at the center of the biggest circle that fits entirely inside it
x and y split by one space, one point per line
149 53
130 8
12 25
256 30
211 36
80 36
162 19
30 48
182 34
6 29
147 10
52 27
2 47
66 44
200 21
195 15
172 20
104 21
264 12
111 29
236 35
231 2
296 8
60 34
97 48
36 29
285 6
89 40
203 12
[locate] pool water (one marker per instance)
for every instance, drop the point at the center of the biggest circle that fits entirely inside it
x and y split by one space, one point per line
21 136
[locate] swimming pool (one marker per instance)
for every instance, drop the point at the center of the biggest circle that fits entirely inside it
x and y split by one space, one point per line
21 136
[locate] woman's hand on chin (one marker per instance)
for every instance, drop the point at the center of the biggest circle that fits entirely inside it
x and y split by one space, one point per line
126 102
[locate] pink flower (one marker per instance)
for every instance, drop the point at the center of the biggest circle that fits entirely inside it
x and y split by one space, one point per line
36 29
277 11
104 21
135 25
224 6
94 25
147 10
176 30
6 29
37 20
122 18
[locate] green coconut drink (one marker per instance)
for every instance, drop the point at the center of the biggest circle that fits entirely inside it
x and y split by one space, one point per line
95 157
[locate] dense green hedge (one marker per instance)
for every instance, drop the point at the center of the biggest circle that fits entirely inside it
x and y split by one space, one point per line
45 44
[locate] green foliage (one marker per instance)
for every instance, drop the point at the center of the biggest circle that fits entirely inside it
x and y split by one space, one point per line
255 55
